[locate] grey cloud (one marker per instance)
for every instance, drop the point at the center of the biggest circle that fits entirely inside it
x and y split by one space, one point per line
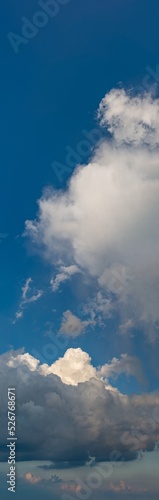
61 423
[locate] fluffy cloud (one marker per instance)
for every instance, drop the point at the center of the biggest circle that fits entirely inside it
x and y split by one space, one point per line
72 326
23 359
106 221
60 422
133 121
75 367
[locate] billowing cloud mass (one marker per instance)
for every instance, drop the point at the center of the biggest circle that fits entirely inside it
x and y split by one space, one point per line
60 422
76 367
106 221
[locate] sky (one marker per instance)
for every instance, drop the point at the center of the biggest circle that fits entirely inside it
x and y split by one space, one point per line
79 243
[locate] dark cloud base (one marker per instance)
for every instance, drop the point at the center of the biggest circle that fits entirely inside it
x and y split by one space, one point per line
63 423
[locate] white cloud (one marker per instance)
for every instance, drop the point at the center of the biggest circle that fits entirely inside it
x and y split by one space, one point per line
131 120
106 221
26 289
72 326
23 359
76 367
19 314
65 273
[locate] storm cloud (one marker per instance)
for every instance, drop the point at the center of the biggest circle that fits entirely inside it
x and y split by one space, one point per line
68 423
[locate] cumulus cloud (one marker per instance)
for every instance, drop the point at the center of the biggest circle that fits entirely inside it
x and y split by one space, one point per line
72 326
130 120
23 359
69 423
76 367
65 273
106 220
73 368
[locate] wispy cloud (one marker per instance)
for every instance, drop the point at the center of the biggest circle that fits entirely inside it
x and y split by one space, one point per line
28 296
65 273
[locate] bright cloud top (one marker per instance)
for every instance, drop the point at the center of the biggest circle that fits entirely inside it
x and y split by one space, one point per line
106 221
75 367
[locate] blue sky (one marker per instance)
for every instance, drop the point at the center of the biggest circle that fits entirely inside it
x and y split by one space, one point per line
60 289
